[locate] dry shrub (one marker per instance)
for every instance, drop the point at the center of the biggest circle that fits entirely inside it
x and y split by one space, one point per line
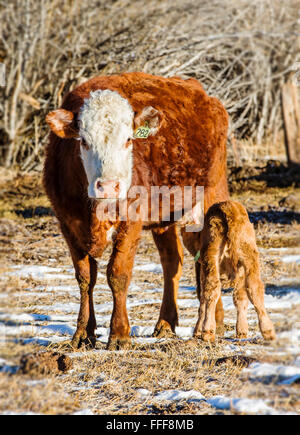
241 51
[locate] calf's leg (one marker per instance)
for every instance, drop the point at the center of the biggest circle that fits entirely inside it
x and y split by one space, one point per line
171 255
209 295
191 242
255 291
241 302
119 271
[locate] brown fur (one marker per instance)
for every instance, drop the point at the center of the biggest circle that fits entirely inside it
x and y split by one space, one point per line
228 246
188 150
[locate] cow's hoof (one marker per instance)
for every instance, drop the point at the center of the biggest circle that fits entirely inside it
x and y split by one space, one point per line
208 336
163 330
115 343
83 340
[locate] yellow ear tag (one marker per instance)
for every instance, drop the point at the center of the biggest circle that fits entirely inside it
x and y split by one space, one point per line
197 257
142 132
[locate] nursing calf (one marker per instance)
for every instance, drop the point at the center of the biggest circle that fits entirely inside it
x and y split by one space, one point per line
228 246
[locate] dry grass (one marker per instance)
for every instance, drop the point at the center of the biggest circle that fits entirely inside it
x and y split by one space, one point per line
242 53
108 382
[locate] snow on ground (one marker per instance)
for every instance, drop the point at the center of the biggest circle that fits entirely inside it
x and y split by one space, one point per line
46 324
149 267
291 259
61 317
242 405
284 375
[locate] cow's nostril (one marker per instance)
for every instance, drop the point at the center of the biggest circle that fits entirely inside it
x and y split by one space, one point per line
99 186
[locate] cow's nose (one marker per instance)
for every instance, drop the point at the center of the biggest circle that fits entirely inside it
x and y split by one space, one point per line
107 189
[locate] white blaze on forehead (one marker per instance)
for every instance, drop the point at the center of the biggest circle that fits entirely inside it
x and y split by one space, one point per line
105 124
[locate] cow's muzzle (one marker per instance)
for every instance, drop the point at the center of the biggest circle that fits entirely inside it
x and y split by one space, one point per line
107 189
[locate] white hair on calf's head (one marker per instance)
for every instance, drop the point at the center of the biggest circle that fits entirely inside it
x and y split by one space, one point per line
106 124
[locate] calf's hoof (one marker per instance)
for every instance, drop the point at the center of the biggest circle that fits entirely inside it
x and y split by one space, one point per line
269 335
118 343
241 335
208 336
163 329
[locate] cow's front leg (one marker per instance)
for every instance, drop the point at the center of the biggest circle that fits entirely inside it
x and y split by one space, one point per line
119 271
171 255
86 275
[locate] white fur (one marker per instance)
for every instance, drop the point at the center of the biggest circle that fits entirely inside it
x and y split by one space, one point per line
110 234
106 123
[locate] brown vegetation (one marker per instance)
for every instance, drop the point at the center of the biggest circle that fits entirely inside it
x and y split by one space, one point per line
242 53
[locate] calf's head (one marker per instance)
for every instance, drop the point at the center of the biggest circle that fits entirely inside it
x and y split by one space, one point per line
105 126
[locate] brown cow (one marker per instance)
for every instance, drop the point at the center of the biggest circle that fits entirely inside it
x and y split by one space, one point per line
94 156
228 246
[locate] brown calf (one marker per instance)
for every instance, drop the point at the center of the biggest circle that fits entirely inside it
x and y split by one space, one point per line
228 247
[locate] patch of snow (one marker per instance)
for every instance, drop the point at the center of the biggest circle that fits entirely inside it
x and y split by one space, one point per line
243 406
188 303
184 331
8 368
59 329
141 331
84 412
291 259
149 267
39 272
293 335
177 395
144 392
18 413
266 371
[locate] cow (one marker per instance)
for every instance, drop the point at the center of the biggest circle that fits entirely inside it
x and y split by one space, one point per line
113 133
228 247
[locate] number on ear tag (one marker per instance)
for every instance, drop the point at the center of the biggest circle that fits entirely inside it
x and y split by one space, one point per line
142 132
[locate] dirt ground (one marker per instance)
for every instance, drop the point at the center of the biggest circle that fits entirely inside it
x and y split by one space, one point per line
39 304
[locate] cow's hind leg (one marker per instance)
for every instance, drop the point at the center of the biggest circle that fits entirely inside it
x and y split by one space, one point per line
119 271
171 255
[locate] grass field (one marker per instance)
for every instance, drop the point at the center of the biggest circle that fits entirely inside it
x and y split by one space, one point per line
39 304
242 52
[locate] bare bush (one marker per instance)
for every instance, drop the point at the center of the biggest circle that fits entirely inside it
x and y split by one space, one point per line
241 51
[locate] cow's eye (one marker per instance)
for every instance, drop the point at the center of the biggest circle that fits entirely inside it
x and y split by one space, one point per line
84 144
128 142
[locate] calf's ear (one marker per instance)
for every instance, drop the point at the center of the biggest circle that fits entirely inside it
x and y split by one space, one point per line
149 117
62 123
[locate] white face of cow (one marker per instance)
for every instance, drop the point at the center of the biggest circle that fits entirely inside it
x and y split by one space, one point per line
106 127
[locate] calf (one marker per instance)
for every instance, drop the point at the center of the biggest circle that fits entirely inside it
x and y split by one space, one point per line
118 132
228 246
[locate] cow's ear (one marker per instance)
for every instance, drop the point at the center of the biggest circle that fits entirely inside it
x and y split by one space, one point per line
62 123
150 118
